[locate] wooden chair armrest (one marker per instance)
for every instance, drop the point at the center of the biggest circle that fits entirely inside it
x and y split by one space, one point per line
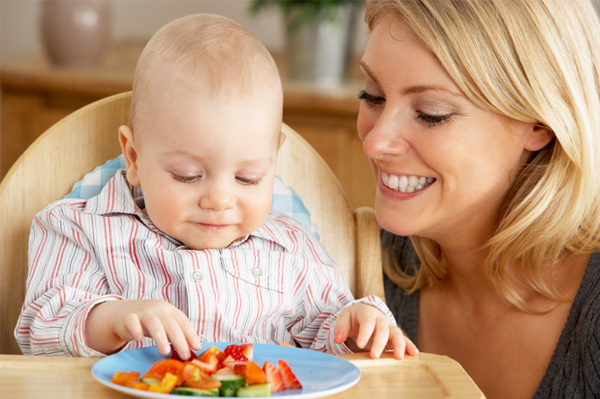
369 272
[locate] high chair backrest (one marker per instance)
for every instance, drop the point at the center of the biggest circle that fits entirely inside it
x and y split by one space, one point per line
87 138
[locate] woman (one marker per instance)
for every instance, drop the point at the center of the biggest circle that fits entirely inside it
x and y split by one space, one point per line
481 120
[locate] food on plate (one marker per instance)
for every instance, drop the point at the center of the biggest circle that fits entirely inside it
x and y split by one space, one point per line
231 372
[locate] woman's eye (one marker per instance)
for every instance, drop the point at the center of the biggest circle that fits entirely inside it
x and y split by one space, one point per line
433 120
185 179
370 99
250 181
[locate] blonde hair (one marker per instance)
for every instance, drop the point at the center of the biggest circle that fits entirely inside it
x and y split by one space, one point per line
211 53
534 61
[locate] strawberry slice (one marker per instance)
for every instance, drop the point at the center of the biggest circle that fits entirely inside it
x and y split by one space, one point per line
289 378
238 366
274 377
228 359
247 350
207 362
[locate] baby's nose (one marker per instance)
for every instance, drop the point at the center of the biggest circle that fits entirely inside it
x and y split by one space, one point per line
217 200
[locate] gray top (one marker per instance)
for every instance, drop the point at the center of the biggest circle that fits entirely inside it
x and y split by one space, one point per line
574 369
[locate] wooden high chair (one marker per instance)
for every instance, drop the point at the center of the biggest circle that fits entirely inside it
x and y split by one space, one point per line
88 137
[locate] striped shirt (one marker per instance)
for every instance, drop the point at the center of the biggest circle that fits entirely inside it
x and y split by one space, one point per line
276 285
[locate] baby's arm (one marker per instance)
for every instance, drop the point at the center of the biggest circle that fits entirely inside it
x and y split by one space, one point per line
322 297
110 325
370 327
71 306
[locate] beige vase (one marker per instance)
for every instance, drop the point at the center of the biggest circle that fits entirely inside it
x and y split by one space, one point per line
319 50
75 32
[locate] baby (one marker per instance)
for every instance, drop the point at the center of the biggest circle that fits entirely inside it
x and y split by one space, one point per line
182 244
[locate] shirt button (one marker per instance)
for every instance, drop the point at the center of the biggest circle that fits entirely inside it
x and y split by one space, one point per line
257 272
198 276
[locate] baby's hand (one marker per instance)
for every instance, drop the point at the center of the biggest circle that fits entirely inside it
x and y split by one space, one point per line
159 320
370 327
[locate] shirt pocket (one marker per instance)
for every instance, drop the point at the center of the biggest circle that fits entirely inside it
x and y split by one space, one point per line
271 271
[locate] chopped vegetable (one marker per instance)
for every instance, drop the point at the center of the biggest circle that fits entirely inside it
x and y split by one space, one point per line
256 390
150 381
217 352
213 373
137 384
195 392
122 377
196 378
253 374
166 385
164 366
229 383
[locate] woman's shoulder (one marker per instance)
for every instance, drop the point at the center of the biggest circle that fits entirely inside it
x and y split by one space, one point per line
575 364
588 294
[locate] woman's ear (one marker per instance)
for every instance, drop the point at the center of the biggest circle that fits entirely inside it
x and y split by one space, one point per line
538 137
130 154
282 138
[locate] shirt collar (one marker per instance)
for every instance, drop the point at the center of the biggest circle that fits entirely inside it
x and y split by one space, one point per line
120 197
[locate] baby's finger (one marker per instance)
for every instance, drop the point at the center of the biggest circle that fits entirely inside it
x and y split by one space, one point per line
380 339
156 331
411 348
176 336
342 327
133 327
365 330
399 342
190 333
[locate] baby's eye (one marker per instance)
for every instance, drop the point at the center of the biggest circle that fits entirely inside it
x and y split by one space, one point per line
185 179
370 99
433 120
248 180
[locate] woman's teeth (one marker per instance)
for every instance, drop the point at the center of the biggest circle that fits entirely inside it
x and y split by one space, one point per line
405 184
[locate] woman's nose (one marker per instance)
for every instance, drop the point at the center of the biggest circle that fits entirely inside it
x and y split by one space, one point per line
217 200
384 139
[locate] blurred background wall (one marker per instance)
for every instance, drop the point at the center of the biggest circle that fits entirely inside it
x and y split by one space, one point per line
139 19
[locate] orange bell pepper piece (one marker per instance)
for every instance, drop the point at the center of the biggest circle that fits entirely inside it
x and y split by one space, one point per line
122 377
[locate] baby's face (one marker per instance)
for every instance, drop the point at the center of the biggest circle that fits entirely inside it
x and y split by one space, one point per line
206 165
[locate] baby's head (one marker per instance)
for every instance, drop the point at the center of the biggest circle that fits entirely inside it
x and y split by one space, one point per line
205 130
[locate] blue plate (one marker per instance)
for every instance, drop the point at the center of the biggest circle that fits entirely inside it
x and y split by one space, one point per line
319 373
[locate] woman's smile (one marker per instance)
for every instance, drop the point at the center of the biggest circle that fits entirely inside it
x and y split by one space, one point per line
405 183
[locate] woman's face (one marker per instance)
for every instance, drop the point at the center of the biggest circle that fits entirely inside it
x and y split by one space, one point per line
442 164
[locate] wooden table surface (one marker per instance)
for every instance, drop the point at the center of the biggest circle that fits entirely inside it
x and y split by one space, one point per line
424 376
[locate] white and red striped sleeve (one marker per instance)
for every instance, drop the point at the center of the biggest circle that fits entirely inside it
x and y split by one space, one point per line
63 284
320 293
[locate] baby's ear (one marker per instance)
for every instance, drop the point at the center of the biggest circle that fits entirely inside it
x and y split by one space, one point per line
538 137
130 154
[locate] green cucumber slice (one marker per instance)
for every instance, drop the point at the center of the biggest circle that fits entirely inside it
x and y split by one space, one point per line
252 391
187 391
229 383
